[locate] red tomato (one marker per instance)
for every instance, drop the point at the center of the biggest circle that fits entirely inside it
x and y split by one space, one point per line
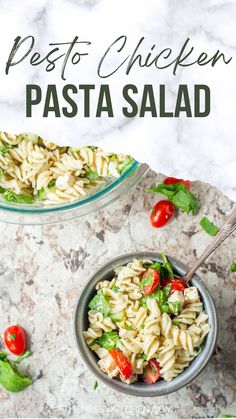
161 213
150 281
177 284
172 180
151 372
122 362
15 339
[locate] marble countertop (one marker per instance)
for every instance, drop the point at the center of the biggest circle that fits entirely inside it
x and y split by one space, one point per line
42 270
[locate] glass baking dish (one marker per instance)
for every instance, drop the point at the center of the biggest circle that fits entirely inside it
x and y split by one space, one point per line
38 214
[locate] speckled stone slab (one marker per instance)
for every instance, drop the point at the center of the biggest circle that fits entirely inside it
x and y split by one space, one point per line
42 270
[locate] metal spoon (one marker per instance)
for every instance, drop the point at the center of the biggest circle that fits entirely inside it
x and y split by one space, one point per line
228 227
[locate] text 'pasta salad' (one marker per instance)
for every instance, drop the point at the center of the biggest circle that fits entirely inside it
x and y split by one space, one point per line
145 323
33 169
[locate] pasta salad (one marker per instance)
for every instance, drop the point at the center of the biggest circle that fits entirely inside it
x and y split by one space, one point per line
145 323
33 169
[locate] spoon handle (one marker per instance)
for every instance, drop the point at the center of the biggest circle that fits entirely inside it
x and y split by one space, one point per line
228 227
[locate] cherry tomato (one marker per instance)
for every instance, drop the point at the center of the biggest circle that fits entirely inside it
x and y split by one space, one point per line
177 284
172 180
150 281
161 213
122 362
151 372
15 339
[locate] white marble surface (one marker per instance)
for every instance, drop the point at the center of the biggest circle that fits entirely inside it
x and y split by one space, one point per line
202 148
42 270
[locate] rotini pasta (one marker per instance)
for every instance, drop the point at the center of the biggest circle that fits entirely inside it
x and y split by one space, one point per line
141 327
33 169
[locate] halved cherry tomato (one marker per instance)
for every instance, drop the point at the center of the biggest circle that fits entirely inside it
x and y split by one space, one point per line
151 372
122 362
150 281
172 180
15 339
161 213
177 284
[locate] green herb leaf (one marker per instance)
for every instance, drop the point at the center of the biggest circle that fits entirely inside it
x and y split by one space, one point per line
116 289
12 336
148 280
99 303
233 267
20 358
108 340
11 196
92 176
175 307
128 328
42 194
164 308
175 322
209 227
167 265
202 346
155 265
179 195
125 165
52 183
3 356
3 149
11 379
166 291
95 385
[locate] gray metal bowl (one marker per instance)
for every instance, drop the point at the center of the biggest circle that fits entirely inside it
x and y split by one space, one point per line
139 388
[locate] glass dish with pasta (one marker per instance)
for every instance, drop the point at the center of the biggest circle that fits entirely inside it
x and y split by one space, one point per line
38 176
144 324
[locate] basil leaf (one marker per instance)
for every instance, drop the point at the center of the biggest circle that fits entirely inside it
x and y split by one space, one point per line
20 358
116 289
92 176
147 280
108 340
3 150
21 198
3 356
179 195
42 194
10 378
167 265
52 183
233 267
175 307
209 227
95 385
166 291
156 265
99 303
125 165
164 308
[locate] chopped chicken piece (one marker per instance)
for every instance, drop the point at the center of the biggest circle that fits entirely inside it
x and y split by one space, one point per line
108 365
176 296
65 181
191 295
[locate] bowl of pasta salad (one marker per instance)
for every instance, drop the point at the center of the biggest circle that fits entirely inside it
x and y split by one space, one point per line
41 182
140 329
